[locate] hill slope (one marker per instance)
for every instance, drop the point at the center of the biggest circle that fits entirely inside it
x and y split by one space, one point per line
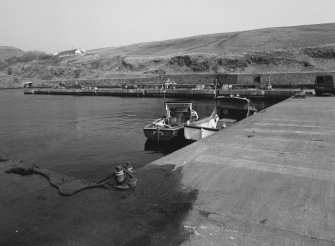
235 43
7 51
281 49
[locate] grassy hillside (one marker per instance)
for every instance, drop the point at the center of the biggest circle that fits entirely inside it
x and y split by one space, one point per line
7 52
282 49
235 43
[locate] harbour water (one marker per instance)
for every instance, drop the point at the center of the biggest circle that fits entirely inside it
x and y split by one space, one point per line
84 137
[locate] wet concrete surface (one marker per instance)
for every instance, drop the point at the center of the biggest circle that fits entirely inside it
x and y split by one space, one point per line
33 213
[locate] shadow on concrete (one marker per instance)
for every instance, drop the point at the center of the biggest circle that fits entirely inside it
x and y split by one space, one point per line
164 204
152 214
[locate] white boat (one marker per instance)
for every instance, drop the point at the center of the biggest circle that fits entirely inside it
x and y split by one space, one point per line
227 110
171 125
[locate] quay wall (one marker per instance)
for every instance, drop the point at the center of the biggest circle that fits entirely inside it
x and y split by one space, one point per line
168 93
255 80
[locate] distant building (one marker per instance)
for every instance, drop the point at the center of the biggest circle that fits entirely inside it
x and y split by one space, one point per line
28 84
74 52
169 84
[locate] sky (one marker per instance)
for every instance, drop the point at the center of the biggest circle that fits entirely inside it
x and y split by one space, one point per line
57 25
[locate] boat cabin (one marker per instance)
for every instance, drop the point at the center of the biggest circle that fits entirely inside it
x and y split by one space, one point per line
178 112
236 108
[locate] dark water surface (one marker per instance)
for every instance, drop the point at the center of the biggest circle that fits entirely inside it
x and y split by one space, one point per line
81 136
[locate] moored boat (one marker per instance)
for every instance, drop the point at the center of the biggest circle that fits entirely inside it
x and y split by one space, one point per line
171 125
227 110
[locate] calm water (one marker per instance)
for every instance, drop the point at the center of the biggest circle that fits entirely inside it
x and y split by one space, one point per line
85 137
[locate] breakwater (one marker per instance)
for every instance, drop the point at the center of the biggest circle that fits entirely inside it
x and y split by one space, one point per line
168 93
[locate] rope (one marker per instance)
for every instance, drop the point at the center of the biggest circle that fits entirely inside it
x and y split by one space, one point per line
66 186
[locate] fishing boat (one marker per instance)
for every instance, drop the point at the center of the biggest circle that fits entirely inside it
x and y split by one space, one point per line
227 111
171 125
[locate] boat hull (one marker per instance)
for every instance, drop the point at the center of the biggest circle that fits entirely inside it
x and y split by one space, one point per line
159 134
227 111
197 133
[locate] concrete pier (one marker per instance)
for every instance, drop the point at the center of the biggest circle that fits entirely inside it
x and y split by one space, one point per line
268 180
168 93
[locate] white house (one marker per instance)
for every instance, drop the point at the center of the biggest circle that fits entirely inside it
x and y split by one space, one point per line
74 52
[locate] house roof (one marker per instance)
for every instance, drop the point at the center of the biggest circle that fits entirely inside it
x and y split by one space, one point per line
73 51
67 52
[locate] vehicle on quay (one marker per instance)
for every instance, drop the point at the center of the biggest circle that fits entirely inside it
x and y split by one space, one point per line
227 111
171 125
324 84
28 84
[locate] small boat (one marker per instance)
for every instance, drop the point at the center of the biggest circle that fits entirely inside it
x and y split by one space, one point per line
227 111
171 125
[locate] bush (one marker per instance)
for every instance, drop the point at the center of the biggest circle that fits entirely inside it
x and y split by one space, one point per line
31 56
77 73
9 71
45 56
3 65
